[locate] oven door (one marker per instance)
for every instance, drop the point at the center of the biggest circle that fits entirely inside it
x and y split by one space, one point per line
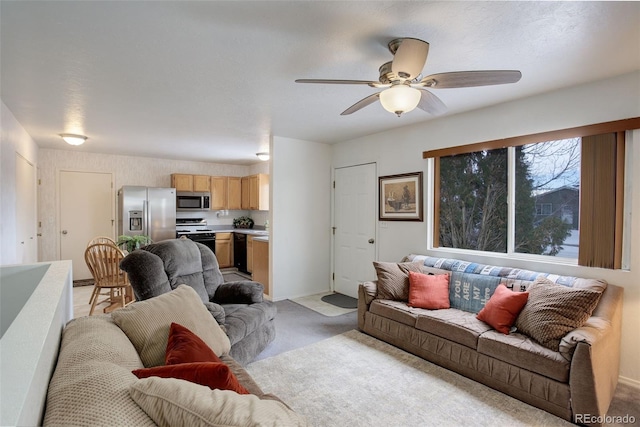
208 241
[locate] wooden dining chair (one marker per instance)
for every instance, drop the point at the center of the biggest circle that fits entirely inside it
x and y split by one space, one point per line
103 259
98 239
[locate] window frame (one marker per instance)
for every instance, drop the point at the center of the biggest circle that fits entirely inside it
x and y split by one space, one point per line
433 156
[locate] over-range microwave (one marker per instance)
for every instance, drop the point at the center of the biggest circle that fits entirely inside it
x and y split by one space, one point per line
192 201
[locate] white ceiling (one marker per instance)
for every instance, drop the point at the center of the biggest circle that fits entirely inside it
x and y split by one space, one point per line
211 81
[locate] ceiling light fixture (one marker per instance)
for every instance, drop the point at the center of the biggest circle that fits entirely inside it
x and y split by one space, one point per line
264 156
400 99
73 139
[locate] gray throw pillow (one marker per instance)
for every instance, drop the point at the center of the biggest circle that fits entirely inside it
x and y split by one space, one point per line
393 279
554 310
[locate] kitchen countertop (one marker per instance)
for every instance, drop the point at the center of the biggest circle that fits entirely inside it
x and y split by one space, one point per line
249 231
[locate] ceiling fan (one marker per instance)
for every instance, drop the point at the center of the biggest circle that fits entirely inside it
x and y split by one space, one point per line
405 88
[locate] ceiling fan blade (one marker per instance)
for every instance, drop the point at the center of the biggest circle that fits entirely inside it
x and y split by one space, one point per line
471 78
338 82
361 104
431 103
410 58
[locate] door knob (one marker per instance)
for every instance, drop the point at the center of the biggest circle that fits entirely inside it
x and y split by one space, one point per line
64 231
371 241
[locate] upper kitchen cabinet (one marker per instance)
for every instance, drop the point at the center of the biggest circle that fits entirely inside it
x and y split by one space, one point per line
182 182
201 183
234 193
258 192
185 182
219 192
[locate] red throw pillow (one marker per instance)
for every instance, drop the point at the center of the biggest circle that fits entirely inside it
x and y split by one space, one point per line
213 375
502 309
184 346
428 290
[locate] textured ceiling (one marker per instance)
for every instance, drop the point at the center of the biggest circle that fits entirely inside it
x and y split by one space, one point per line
212 81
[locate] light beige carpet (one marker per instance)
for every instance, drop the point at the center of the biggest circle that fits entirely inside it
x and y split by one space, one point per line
354 380
315 303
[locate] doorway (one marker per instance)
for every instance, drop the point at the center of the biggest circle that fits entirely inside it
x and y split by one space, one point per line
26 212
86 211
354 243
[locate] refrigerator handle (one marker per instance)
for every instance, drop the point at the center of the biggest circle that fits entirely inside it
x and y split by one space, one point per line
145 216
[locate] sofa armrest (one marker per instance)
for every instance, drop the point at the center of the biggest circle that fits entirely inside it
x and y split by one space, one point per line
595 364
366 294
216 311
241 292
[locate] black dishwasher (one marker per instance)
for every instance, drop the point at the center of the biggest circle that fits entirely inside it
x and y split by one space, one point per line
240 251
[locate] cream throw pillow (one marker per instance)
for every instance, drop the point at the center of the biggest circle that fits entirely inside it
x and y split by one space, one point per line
173 403
146 323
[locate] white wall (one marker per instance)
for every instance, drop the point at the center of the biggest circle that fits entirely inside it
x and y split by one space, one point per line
127 170
400 151
300 210
14 140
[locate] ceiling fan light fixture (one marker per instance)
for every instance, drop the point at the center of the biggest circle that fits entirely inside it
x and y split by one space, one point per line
400 99
264 156
73 139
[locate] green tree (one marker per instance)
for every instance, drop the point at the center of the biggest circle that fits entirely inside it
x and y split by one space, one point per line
473 205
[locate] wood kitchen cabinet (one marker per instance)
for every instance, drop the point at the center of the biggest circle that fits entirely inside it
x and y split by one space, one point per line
234 189
261 264
244 190
182 182
223 250
219 192
185 182
250 253
201 183
255 192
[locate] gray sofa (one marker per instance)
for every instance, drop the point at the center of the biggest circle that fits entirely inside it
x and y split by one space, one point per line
239 307
575 383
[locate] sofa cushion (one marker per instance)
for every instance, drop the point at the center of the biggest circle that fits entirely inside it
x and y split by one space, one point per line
453 324
90 384
183 346
520 350
171 402
147 323
428 291
243 319
215 375
502 309
393 279
554 310
396 310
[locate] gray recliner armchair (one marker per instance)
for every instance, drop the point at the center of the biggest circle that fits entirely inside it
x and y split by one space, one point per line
239 307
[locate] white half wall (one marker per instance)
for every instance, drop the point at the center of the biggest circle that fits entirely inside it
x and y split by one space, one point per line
400 151
301 211
15 139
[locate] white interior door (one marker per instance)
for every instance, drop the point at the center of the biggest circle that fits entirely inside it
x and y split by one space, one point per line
26 213
86 211
355 227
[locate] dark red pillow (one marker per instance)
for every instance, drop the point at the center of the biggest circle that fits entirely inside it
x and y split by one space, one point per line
184 346
212 374
429 290
503 308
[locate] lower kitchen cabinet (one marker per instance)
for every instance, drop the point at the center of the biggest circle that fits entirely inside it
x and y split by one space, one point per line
261 264
223 250
250 253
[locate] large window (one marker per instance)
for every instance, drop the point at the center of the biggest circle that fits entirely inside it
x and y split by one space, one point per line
557 194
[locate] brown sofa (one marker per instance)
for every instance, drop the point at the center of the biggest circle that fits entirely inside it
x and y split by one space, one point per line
576 383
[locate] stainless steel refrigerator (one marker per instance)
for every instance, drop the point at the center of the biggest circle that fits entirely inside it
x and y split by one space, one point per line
149 211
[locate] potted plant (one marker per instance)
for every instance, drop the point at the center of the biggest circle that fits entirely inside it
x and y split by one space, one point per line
131 243
243 222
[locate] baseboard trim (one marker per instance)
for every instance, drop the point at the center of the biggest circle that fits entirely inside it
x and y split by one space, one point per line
630 382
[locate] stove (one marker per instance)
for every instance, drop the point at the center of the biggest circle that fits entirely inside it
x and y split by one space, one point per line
197 230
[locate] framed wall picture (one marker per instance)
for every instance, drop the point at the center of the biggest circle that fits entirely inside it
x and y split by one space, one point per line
401 197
